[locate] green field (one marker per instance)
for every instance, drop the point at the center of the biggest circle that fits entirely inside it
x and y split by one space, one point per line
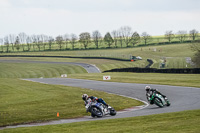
171 50
24 101
174 54
179 122
32 70
102 64
146 78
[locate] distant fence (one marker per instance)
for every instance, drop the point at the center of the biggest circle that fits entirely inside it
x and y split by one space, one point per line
154 70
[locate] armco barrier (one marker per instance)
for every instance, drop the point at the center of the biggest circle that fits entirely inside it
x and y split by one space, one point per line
154 70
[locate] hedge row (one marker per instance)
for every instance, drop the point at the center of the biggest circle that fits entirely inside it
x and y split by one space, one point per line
154 70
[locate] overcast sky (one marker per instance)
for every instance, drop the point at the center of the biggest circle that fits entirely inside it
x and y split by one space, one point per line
58 17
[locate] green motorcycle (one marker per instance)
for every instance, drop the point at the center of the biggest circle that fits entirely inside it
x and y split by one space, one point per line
159 100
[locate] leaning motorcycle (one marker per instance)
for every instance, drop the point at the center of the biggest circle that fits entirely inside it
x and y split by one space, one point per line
98 109
159 100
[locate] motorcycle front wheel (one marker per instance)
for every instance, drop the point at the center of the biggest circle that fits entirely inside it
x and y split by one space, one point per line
112 112
158 102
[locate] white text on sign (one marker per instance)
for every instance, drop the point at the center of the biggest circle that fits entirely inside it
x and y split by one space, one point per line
106 78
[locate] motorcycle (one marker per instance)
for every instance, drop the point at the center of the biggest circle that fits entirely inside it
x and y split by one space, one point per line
159 100
98 109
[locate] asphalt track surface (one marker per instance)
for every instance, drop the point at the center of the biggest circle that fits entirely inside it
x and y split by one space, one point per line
181 98
88 67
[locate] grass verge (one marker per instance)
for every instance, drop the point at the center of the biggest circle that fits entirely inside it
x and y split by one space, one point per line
191 80
36 70
179 122
102 64
24 101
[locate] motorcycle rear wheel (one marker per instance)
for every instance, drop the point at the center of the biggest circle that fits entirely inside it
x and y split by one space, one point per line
96 112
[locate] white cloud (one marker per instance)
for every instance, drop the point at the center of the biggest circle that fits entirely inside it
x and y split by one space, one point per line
4 4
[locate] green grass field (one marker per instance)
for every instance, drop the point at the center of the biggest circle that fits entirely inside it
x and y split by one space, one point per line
32 70
174 54
172 50
145 78
102 64
179 122
24 101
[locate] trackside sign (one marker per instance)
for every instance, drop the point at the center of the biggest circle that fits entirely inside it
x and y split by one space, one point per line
106 78
64 76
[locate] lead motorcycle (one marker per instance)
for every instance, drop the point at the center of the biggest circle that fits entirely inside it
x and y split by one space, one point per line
98 109
158 99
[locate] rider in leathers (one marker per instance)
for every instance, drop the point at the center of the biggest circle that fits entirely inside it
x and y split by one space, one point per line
150 91
85 97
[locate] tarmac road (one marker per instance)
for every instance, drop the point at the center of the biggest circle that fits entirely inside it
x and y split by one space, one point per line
181 98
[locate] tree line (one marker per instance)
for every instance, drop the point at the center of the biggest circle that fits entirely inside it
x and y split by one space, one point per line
122 36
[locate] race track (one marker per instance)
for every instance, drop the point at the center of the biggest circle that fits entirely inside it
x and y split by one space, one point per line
181 98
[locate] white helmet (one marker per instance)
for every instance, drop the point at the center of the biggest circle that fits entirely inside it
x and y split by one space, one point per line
147 88
84 97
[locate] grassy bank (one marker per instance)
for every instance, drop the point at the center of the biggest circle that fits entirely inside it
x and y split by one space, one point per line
173 54
179 122
191 80
24 101
172 50
36 70
102 64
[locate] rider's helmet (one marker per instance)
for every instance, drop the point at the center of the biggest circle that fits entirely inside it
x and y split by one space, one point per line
84 96
147 88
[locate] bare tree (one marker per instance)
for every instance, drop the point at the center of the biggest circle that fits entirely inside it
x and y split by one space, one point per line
84 38
66 39
135 38
181 35
12 39
22 38
38 41
44 40
146 37
126 32
169 36
73 40
50 41
96 36
59 41
29 42
120 37
193 34
196 58
108 39
6 42
17 43
35 41
1 43
115 35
